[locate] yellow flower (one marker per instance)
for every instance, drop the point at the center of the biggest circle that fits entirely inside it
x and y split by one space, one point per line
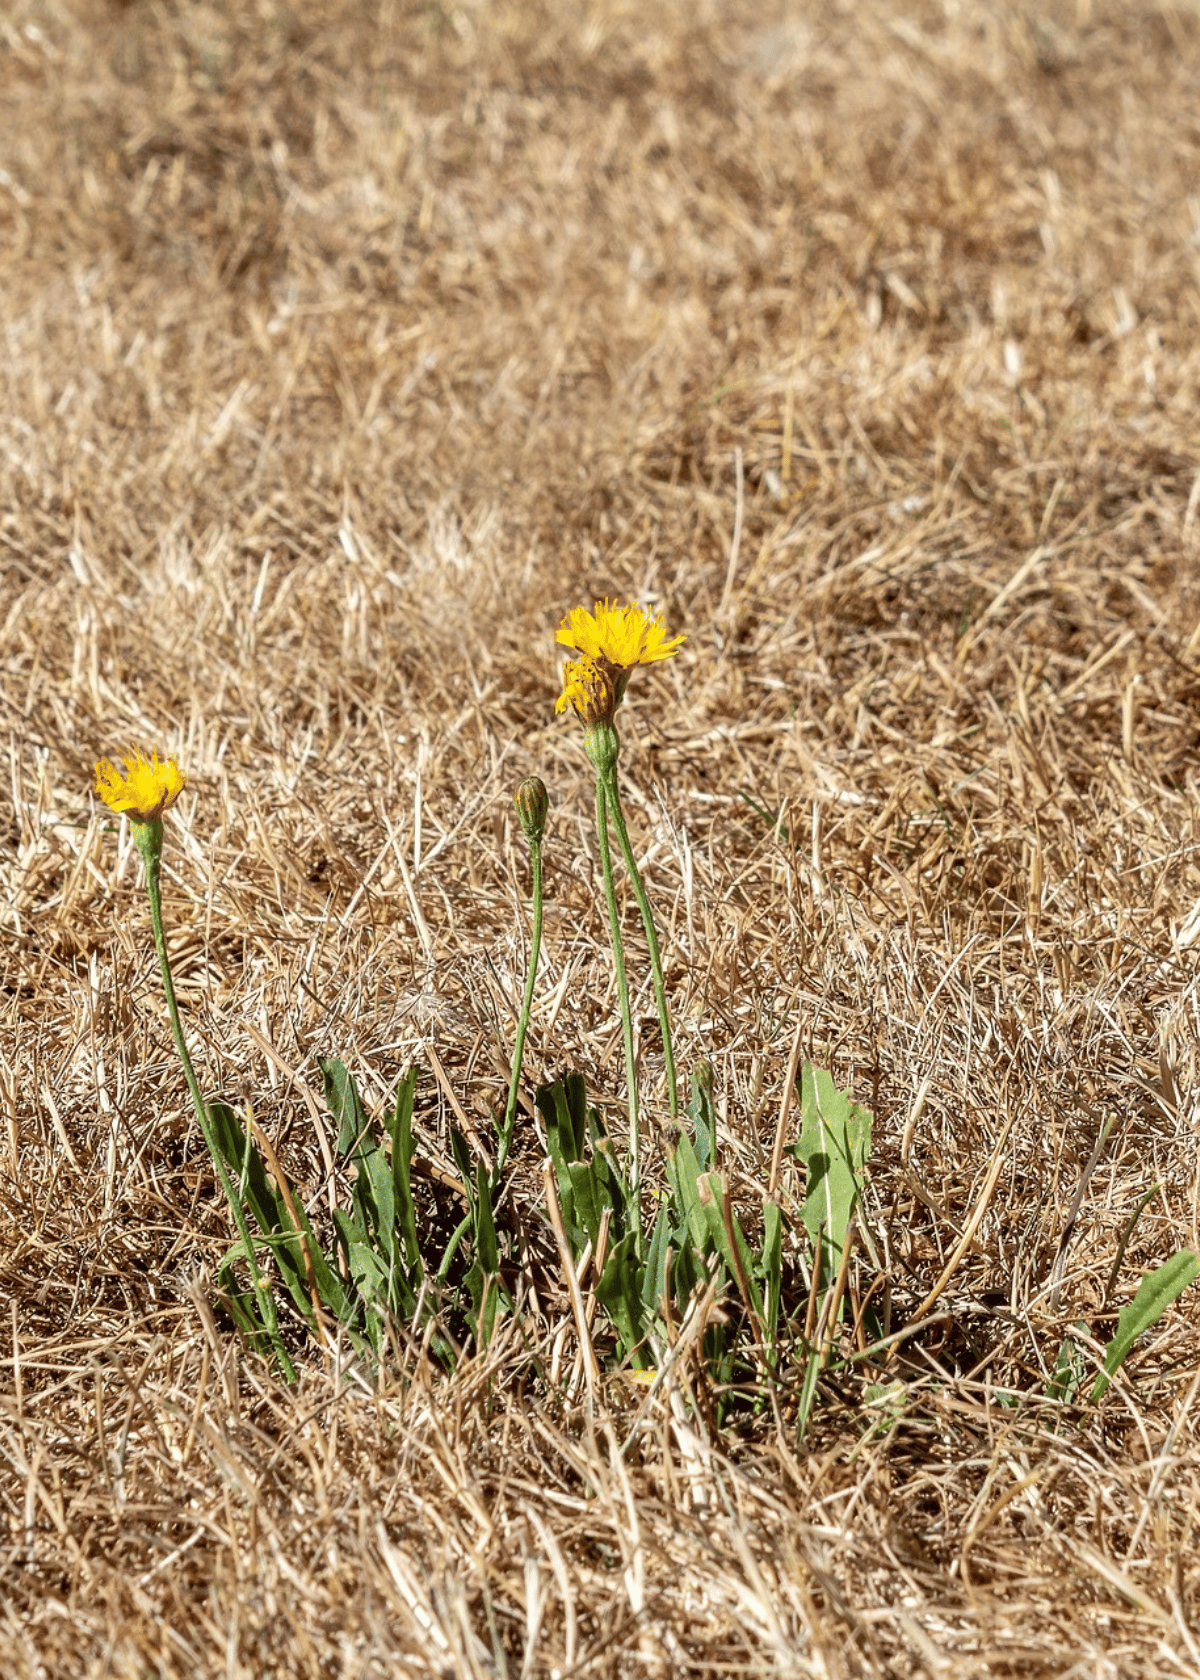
147 788
588 690
621 636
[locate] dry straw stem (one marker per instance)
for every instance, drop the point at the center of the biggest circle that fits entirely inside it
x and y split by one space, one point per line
345 348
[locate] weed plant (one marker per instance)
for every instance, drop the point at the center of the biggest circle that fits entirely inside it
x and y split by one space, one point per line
671 1266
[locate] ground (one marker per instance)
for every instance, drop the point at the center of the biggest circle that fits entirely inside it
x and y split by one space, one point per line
348 346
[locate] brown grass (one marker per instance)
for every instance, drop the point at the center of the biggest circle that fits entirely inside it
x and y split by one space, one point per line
344 347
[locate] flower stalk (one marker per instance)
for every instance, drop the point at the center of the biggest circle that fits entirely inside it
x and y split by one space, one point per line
148 838
610 643
142 793
656 968
618 951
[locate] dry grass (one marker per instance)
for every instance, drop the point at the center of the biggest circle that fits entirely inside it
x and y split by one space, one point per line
343 348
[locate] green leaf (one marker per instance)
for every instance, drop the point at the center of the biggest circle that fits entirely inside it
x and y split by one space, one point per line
834 1142
589 1199
575 1091
1069 1370
267 1206
378 1172
712 1198
1155 1294
683 1174
619 1293
703 1118
342 1101
563 1107
403 1150
243 1308
611 1187
769 1268
485 1227
807 1396
350 1233
461 1151
552 1105
246 1165
654 1277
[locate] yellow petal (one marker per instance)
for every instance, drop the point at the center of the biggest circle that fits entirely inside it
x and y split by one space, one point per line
145 789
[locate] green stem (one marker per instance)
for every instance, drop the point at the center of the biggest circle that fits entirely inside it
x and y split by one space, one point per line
618 949
660 991
510 1113
149 843
452 1248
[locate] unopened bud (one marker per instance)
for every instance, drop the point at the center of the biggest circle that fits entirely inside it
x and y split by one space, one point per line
532 803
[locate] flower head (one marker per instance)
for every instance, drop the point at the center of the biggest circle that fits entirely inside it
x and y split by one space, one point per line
145 790
588 690
620 636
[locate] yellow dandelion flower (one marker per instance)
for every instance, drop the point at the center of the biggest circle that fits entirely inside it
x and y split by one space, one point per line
147 788
588 691
621 636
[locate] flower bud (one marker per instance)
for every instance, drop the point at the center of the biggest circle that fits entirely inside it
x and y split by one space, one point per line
532 803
